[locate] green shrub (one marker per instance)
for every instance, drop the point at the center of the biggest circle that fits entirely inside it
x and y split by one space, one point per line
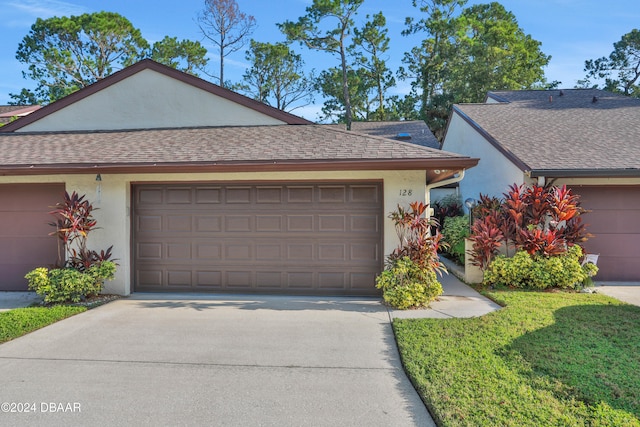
454 230
539 272
405 285
70 284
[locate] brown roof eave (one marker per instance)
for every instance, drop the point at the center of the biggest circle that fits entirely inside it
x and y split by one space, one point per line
584 173
280 166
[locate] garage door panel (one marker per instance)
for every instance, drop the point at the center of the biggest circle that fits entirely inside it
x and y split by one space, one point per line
283 238
208 251
150 279
147 223
614 221
624 221
24 231
179 278
299 195
208 195
150 196
365 223
269 195
179 196
238 195
208 279
332 223
268 223
365 194
206 224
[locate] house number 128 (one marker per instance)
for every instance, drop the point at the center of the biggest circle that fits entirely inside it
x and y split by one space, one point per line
406 192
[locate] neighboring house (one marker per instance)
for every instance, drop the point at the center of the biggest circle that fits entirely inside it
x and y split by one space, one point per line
201 189
413 131
585 138
9 112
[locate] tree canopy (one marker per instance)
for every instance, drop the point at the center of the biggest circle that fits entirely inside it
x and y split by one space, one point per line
276 76
621 69
309 32
64 54
466 53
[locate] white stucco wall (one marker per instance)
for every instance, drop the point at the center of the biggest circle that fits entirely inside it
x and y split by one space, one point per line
493 174
112 198
149 99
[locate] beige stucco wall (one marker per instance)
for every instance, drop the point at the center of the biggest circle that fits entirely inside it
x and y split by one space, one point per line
494 172
113 199
149 99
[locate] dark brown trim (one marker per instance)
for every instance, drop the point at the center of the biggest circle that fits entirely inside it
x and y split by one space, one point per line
257 166
508 154
162 69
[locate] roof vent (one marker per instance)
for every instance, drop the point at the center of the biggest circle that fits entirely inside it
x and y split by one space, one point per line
561 92
594 100
404 136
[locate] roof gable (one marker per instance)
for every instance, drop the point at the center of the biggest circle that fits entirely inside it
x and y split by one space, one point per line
150 95
573 132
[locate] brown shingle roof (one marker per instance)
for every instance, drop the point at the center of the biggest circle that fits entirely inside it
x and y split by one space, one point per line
276 147
417 129
568 132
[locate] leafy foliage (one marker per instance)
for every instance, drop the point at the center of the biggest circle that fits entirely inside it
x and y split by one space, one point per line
185 55
621 69
308 31
543 221
525 271
416 241
448 206
81 272
409 279
454 232
65 54
276 76
467 52
406 285
70 284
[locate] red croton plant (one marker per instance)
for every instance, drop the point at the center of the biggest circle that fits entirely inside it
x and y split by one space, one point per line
417 241
74 221
540 220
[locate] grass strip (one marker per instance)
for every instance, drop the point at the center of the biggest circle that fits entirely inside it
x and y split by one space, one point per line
545 359
21 321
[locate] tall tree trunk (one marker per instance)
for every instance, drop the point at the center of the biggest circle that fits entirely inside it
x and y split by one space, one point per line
345 88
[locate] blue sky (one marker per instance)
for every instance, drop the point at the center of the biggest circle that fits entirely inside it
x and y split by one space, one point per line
571 31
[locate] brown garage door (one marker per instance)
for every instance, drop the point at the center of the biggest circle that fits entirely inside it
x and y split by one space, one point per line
292 238
24 231
615 224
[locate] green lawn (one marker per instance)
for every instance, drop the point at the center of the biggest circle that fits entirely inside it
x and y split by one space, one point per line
562 359
21 321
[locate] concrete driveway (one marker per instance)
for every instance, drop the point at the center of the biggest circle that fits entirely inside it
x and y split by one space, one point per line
212 360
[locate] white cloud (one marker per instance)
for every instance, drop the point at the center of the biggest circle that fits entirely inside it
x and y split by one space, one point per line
22 14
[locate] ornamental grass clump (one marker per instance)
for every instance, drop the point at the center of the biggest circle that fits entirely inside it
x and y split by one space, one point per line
80 272
409 279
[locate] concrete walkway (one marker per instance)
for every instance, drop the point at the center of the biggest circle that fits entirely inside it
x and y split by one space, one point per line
628 292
